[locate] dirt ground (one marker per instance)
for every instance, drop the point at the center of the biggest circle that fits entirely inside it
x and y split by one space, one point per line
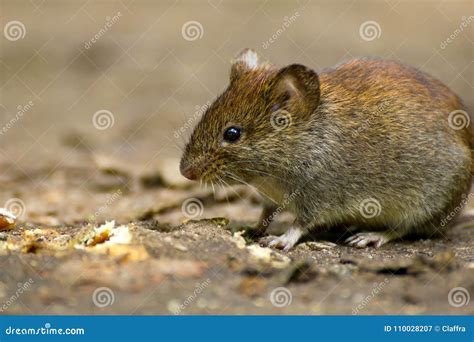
174 247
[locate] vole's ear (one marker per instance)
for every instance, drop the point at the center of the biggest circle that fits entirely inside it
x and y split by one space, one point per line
296 87
246 60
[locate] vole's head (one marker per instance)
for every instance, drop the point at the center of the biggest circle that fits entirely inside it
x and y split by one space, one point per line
248 130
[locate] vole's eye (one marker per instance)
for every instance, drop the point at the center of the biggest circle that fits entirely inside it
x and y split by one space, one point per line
232 134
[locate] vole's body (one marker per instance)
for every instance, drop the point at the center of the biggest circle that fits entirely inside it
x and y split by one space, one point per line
370 145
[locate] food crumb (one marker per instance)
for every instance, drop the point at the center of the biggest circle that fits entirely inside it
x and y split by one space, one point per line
7 219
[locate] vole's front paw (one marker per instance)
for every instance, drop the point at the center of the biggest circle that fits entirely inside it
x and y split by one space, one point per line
279 242
286 241
266 240
361 240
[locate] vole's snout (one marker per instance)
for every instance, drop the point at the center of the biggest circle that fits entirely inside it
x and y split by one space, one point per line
188 171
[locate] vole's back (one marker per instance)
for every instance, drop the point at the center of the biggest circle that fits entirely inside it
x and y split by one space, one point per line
395 132
368 74
393 90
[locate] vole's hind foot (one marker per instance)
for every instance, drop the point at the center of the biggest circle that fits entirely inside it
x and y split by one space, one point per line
364 239
286 241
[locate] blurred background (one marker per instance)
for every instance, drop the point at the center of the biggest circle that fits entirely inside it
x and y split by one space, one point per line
149 66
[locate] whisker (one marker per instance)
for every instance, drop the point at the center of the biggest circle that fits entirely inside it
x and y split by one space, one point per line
267 174
213 190
229 186
176 145
222 185
234 177
259 172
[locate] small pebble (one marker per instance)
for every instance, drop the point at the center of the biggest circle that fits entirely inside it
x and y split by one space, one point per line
319 246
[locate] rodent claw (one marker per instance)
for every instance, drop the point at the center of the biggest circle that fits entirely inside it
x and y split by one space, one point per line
364 239
288 240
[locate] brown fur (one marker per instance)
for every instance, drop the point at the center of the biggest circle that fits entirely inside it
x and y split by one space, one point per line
367 128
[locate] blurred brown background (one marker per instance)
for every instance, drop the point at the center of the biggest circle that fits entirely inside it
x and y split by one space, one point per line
144 71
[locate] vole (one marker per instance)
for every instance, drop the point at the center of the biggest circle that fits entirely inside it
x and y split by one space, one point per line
370 143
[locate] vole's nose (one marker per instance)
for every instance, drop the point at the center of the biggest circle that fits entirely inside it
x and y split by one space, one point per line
189 172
